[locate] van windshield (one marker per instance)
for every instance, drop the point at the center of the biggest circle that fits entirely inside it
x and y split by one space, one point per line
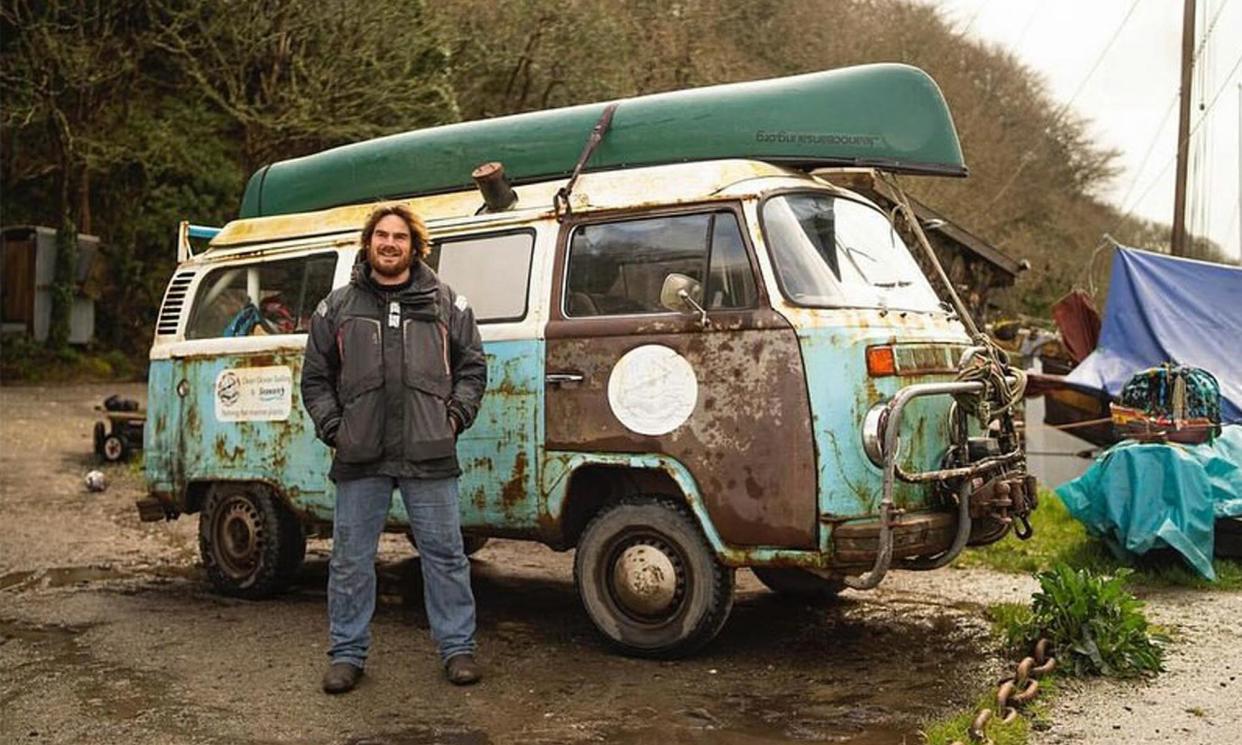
832 252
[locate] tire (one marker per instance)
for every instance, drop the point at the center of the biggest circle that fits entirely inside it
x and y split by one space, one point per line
799 584
114 449
677 596
100 434
251 544
471 543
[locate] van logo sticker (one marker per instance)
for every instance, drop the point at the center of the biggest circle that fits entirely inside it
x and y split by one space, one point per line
254 394
652 390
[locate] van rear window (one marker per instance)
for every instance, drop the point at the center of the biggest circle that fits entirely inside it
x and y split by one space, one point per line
262 298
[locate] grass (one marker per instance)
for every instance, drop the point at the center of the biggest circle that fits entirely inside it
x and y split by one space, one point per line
24 360
955 727
1059 538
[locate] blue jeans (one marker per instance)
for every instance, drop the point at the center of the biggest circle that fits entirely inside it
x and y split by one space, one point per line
361 508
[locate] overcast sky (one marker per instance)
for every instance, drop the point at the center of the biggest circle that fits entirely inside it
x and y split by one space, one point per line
1129 98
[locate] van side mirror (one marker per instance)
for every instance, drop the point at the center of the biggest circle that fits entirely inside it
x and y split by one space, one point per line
683 294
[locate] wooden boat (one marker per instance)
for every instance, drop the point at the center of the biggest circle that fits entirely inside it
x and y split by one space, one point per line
890 117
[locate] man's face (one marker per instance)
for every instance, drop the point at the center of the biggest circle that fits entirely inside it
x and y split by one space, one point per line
391 251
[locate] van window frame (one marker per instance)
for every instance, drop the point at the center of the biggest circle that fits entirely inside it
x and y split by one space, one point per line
732 206
242 262
780 282
530 263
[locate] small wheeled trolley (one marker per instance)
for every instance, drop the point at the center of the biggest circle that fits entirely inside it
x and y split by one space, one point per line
122 435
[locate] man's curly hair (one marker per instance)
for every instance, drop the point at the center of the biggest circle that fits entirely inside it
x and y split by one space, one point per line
419 236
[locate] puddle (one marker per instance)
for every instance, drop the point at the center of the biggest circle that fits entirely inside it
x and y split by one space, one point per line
424 735
69 576
103 690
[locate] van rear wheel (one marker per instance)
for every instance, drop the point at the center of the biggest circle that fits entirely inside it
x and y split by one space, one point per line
799 584
251 543
649 580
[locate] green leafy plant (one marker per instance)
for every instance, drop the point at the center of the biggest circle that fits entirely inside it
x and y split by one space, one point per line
1096 626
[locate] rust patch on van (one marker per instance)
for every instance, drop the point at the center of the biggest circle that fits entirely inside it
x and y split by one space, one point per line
748 441
513 495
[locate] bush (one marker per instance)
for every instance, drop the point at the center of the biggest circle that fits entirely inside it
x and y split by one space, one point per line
1095 625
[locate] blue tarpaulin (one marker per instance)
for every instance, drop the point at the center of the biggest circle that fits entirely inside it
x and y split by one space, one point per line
1143 496
1164 309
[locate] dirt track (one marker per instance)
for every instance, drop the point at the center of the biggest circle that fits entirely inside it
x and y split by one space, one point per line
109 634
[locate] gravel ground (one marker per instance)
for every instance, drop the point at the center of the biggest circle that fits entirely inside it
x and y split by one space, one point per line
109 634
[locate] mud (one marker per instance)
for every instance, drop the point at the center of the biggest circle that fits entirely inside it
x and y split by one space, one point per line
110 634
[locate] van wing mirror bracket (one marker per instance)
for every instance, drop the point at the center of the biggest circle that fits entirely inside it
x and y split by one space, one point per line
678 293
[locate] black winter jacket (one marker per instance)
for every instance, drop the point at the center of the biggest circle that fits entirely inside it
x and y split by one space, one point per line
390 378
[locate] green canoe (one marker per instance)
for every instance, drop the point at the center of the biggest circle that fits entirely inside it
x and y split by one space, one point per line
892 117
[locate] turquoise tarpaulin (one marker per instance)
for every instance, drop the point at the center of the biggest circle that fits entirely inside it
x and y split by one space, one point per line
1143 496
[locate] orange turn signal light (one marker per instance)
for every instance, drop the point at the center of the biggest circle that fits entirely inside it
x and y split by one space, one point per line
881 362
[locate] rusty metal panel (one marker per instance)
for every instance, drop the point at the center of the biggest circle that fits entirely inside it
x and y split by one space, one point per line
748 440
283 452
841 391
500 454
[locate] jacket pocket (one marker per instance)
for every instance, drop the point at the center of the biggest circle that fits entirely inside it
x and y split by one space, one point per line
360 345
360 438
428 433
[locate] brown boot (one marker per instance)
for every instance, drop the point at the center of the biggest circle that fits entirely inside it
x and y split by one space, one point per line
341 677
462 670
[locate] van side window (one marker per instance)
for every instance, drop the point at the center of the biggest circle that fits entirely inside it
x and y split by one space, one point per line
491 272
270 297
619 268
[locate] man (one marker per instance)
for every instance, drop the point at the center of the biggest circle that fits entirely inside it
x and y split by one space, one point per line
394 371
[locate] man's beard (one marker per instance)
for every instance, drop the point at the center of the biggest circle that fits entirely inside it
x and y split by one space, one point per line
392 270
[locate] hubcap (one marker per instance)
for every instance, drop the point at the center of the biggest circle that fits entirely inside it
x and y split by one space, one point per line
239 535
112 448
645 580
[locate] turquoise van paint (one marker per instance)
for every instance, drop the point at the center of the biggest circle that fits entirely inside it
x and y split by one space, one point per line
160 456
841 394
499 454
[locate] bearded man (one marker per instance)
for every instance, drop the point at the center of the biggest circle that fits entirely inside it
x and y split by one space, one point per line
394 372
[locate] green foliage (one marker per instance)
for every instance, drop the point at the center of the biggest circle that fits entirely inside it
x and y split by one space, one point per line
1059 538
1094 623
22 360
64 282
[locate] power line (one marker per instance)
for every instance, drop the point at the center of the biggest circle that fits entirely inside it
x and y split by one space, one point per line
1064 108
1203 117
1151 147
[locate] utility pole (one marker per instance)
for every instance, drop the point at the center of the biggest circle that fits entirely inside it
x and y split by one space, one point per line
1178 243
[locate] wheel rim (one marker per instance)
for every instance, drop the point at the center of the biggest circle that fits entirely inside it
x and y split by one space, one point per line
238 537
112 448
646 579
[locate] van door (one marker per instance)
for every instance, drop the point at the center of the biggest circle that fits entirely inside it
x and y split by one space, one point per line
492 273
723 393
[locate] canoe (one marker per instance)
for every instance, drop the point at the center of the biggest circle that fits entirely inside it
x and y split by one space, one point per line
890 117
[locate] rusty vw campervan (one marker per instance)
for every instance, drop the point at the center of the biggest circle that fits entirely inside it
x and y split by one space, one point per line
702 355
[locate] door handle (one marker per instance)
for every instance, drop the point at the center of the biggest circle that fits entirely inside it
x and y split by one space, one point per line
562 378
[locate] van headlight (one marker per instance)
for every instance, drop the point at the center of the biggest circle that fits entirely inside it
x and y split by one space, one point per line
873 433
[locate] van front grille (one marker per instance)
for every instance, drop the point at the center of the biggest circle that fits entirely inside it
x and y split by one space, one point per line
174 302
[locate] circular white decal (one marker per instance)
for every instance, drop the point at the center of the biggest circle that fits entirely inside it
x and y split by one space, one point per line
652 390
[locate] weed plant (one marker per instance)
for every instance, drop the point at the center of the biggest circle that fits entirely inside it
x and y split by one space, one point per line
1095 625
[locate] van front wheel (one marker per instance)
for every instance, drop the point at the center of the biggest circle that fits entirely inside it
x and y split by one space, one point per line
649 580
251 544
